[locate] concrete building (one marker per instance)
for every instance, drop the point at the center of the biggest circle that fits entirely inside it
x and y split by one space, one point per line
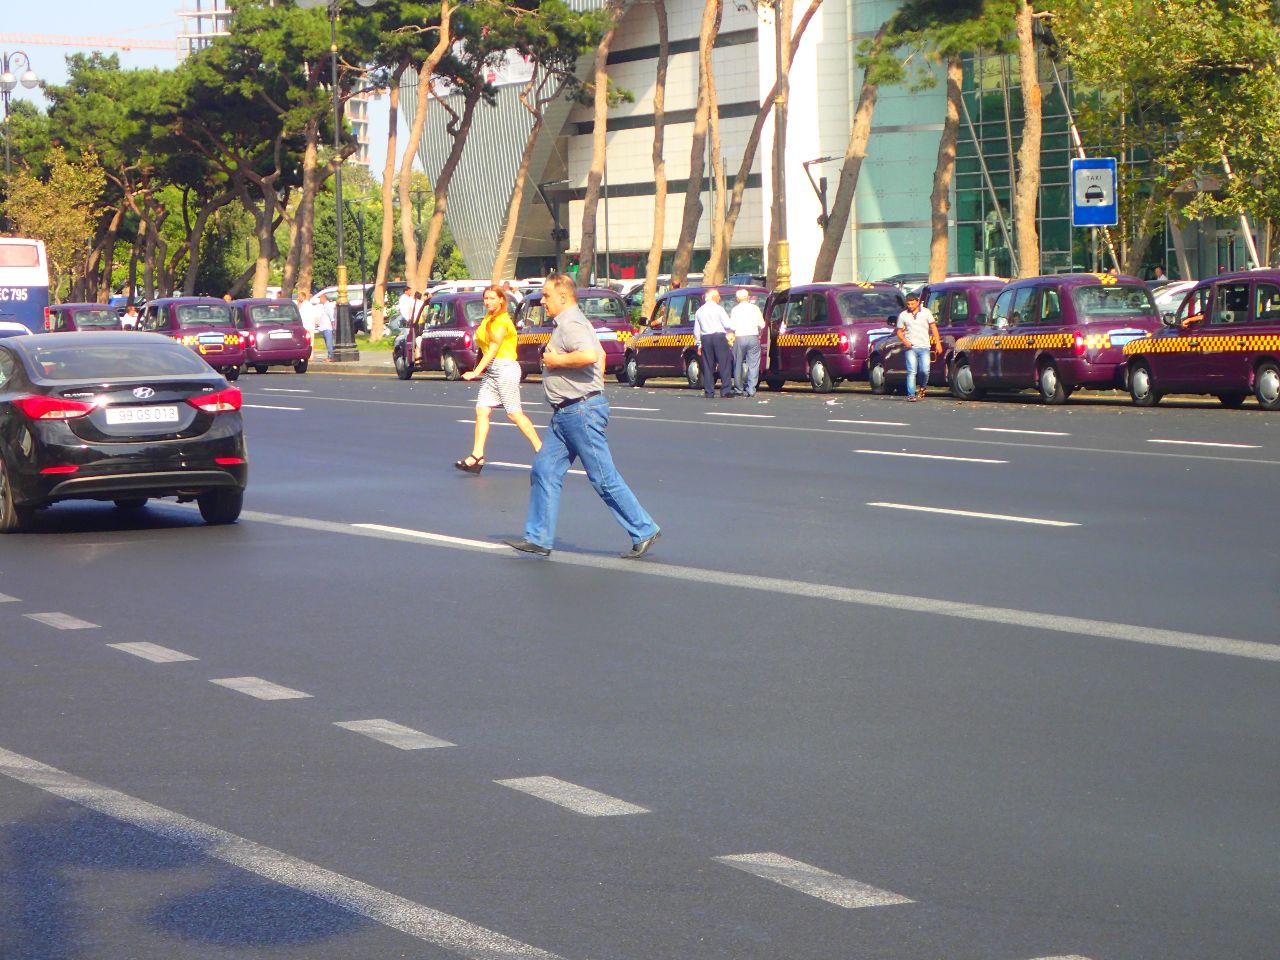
889 229
357 114
202 20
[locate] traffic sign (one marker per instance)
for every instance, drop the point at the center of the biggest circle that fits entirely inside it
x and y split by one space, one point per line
1093 192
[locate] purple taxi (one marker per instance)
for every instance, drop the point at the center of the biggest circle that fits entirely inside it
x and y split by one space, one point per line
69 317
822 332
665 347
1224 340
1055 333
201 323
959 307
608 313
444 337
274 334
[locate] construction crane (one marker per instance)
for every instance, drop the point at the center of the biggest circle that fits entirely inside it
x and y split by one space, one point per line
89 43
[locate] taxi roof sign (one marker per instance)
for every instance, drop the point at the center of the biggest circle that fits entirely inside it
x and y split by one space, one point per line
1093 192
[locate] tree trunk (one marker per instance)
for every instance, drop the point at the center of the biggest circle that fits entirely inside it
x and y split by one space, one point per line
264 232
654 264
854 154
1027 191
1152 213
297 270
107 263
757 130
459 134
711 14
940 202
425 72
595 176
718 260
777 217
377 323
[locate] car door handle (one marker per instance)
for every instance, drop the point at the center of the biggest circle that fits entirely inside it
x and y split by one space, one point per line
1194 343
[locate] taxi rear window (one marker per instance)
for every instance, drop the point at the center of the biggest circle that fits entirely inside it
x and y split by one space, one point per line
203 315
869 304
1105 303
274 313
98 320
603 308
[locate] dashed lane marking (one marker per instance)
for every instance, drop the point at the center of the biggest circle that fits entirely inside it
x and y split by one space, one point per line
589 803
261 689
929 606
831 887
525 466
152 651
928 456
282 390
746 416
873 423
975 515
1074 956
499 423
637 409
361 899
1032 433
1210 443
393 734
5 598
62 621
267 406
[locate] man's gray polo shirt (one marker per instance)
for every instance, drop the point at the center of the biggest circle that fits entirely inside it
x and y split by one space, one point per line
573 332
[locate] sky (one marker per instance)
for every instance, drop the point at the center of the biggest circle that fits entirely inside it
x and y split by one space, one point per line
131 19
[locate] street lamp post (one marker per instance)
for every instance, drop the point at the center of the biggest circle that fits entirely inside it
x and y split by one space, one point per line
8 83
345 349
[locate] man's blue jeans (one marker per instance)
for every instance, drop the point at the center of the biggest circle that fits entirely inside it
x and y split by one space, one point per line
917 358
328 342
578 433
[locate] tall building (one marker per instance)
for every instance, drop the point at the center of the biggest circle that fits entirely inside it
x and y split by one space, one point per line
357 112
202 20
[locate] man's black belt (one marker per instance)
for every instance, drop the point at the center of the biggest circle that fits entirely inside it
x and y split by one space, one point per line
572 400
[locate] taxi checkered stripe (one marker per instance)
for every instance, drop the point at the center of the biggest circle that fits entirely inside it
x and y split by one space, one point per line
678 340
1043 341
809 340
535 338
1204 343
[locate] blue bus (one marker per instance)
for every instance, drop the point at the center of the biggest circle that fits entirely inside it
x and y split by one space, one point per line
24 283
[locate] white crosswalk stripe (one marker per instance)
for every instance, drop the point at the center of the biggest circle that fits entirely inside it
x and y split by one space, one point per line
5 598
62 621
259 688
589 803
152 651
393 734
831 887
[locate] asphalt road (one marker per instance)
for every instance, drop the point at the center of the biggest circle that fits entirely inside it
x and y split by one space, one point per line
983 681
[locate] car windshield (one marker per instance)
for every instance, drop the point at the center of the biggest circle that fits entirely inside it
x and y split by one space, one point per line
1113 302
869 304
473 310
274 314
603 308
104 319
192 315
115 361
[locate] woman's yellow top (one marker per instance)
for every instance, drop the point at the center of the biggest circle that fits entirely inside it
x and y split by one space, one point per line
488 331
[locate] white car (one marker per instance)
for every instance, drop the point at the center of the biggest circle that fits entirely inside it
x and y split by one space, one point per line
355 294
10 328
1169 296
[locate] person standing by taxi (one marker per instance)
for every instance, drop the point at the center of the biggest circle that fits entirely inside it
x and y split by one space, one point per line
916 328
307 311
711 333
573 379
324 324
129 321
746 321
496 338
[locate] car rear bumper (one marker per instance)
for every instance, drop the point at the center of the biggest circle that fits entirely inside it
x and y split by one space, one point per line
1093 375
290 354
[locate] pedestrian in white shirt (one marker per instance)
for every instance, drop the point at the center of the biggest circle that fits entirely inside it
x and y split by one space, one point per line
407 306
325 322
306 311
711 334
746 321
916 329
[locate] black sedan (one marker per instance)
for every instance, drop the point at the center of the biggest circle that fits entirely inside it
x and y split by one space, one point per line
120 417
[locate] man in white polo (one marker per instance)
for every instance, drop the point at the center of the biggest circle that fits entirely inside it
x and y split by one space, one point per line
917 329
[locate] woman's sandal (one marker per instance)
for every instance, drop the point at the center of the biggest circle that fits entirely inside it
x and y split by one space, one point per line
470 464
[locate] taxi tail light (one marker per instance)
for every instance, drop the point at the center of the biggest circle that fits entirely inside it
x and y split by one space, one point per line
53 408
844 341
48 320
466 341
1079 346
223 401
252 338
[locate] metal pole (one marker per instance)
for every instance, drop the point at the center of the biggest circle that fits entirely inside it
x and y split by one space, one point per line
345 349
991 187
782 252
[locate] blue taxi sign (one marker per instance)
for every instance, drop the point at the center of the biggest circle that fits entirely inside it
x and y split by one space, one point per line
1093 192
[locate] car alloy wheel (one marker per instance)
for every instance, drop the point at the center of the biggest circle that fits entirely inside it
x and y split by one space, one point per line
300 366
962 384
450 367
1266 385
631 369
819 378
403 370
13 518
875 376
1051 388
693 372
1140 388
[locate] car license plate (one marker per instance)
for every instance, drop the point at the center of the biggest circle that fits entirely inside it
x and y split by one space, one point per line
281 335
116 416
1120 337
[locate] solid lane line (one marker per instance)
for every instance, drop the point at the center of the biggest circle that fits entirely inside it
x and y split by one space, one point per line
1074 956
749 416
1209 443
975 515
499 423
152 651
393 734
524 466
265 406
261 689
5 598
282 390
831 887
1008 616
928 456
362 899
637 409
1033 433
62 621
874 423
436 537
589 803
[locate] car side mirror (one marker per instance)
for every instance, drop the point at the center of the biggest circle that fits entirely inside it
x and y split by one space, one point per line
1168 319
1002 322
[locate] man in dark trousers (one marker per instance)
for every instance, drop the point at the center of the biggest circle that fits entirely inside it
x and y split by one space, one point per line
710 332
573 380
